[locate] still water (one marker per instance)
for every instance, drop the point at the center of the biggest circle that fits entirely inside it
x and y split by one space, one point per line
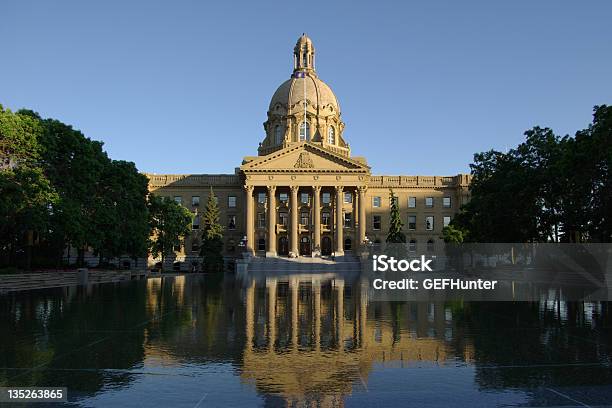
299 340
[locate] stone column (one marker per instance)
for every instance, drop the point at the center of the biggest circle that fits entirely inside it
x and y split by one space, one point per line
316 289
271 287
250 315
362 215
294 287
250 222
339 222
271 222
294 222
363 314
339 285
316 190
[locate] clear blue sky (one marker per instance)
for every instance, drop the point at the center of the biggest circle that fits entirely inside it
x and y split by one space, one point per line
183 87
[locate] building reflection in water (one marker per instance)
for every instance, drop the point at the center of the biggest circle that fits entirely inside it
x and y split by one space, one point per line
299 339
316 336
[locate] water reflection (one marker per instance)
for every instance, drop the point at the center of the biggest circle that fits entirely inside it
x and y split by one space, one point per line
297 340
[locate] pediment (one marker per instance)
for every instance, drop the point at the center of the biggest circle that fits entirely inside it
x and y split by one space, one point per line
304 157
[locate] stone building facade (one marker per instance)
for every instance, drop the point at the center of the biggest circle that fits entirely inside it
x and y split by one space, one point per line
304 194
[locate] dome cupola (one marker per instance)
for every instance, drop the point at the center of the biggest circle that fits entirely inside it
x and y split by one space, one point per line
304 108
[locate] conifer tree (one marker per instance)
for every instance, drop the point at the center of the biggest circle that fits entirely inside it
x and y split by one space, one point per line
395 234
212 236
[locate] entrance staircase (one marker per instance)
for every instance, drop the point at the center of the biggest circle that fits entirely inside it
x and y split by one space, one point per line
304 264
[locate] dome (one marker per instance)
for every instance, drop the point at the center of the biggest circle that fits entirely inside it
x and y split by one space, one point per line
290 95
304 108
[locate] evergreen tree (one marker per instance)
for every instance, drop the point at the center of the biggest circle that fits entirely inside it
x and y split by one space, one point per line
395 234
212 236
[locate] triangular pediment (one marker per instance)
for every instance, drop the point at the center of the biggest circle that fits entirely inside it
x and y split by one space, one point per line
304 157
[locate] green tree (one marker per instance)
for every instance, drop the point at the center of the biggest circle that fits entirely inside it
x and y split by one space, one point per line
27 197
212 236
546 189
75 165
589 181
395 234
26 201
170 222
453 235
121 213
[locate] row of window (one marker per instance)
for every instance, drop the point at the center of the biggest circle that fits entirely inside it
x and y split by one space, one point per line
283 219
231 222
326 221
325 199
304 197
412 222
195 201
304 133
412 202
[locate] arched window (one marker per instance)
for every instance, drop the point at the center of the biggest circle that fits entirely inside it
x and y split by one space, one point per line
278 136
347 244
412 245
331 135
304 131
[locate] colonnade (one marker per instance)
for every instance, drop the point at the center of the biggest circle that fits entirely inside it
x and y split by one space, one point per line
314 227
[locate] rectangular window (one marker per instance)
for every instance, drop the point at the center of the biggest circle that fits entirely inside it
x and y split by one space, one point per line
195 201
446 202
283 218
348 220
326 219
231 222
261 220
304 218
304 198
376 222
178 199
412 222
429 202
283 197
196 223
447 221
376 202
326 198
411 202
348 197
261 198
231 201
429 223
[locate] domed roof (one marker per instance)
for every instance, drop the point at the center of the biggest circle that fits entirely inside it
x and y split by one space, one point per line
303 42
318 94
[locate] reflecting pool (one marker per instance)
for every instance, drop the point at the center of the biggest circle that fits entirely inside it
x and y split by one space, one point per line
301 340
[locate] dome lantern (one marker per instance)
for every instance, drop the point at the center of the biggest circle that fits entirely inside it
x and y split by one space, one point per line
304 55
